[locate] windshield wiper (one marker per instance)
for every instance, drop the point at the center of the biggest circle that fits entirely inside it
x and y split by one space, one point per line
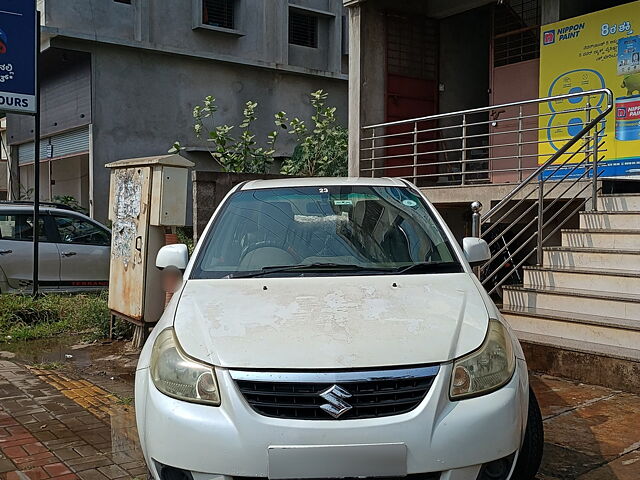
341 267
430 267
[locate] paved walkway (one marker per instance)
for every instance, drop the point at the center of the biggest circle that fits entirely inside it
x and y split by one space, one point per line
54 426
591 432
60 426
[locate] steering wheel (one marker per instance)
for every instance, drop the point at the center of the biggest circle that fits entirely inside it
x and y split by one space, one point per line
267 244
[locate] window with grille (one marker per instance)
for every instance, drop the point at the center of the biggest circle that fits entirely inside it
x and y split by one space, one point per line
412 46
303 29
218 13
516 31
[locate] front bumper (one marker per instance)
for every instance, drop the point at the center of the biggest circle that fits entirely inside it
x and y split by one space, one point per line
454 438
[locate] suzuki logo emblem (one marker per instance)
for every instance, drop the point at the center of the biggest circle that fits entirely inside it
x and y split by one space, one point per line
335 395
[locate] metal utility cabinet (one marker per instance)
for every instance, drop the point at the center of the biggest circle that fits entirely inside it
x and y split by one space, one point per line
146 196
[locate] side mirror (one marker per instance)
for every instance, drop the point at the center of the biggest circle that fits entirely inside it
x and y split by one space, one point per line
476 250
176 256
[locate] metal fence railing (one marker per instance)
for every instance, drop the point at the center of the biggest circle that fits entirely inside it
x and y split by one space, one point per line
550 154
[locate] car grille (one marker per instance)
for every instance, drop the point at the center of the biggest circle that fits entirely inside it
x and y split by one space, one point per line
413 476
368 394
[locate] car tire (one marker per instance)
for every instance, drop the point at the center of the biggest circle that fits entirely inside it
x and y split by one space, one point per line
531 451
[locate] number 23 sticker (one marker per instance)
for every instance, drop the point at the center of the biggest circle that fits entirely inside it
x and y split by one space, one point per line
323 190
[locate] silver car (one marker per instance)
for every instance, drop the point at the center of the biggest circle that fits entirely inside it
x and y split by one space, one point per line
74 249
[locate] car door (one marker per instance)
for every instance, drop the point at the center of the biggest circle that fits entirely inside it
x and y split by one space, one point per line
16 252
84 248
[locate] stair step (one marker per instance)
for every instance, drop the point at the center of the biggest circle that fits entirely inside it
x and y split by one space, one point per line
614 333
614 281
587 362
603 258
625 239
591 348
610 220
606 304
619 203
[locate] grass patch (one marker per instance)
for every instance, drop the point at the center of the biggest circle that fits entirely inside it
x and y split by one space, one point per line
124 400
48 366
25 318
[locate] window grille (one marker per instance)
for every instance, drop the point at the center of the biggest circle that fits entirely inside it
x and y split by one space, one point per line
303 29
218 13
412 47
516 31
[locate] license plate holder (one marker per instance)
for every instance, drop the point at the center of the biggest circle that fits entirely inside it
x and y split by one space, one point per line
337 461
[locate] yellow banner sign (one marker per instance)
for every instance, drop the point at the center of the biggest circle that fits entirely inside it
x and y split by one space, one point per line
598 50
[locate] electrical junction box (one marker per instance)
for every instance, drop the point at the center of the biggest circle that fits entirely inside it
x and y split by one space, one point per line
169 195
146 195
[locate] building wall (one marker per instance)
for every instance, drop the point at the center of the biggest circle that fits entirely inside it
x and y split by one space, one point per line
259 34
65 93
574 8
464 60
145 66
144 111
67 177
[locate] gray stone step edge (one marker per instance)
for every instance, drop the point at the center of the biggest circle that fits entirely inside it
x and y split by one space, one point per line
580 346
576 292
573 317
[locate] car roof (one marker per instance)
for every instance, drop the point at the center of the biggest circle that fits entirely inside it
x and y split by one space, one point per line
322 182
20 207
44 208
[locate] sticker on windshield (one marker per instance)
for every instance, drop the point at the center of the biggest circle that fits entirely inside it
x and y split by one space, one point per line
342 202
409 203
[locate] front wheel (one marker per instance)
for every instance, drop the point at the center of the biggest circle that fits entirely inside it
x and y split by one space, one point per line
531 451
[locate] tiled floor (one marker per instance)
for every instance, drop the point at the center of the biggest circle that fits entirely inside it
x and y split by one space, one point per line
61 426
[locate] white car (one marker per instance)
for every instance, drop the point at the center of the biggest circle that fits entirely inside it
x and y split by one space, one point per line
333 328
73 250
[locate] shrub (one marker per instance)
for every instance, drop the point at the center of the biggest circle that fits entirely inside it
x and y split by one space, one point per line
320 151
241 154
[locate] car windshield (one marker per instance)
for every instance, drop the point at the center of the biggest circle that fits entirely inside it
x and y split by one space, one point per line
332 230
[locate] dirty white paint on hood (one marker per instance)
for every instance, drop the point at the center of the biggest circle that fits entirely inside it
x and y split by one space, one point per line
331 322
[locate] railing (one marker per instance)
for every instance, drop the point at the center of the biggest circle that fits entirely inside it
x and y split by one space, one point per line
477 146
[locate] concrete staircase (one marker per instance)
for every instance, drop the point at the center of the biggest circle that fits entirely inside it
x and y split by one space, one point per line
578 315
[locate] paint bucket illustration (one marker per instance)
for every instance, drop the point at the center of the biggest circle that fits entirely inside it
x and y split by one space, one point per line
628 118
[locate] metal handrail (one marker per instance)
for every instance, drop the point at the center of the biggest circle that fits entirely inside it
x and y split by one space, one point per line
439 116
592 146
561 151
478 146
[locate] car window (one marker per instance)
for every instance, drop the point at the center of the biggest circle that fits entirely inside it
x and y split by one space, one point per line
20 227
79 231
375 228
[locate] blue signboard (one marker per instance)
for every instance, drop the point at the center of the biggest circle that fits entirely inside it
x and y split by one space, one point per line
18 34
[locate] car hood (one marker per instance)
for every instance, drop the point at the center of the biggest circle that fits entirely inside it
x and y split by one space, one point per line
331 322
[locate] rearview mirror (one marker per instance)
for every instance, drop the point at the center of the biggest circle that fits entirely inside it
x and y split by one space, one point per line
176 256
475 250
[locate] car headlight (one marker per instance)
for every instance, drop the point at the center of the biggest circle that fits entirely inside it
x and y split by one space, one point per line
486 369
178 376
